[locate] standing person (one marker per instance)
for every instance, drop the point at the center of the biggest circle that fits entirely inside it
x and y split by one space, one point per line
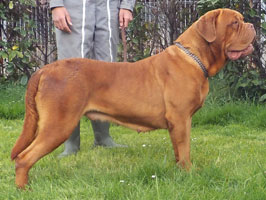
90 29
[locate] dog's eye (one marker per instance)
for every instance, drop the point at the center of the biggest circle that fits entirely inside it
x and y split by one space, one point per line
235 24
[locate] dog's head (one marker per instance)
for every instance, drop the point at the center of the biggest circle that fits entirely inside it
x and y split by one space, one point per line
226 29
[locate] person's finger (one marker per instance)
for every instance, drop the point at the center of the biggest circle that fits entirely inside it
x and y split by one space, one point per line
68 19
65 26
126 21
128 18
56 24
121 19
66 22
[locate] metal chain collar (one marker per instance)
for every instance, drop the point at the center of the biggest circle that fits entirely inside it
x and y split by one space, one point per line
194 58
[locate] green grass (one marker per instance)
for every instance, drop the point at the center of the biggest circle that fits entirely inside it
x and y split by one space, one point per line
12 101
228 149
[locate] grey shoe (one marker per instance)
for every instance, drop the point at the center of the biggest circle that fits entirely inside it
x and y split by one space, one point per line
102 136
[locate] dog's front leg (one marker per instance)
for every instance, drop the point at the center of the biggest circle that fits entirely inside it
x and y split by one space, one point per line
179 130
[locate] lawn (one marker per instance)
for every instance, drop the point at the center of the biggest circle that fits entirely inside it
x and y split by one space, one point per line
228 150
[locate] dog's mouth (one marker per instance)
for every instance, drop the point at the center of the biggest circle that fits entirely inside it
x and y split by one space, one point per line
234 54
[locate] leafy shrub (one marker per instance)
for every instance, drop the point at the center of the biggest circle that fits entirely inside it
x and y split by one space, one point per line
17 43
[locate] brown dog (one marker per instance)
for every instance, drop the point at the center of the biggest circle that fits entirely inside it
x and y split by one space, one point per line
160 92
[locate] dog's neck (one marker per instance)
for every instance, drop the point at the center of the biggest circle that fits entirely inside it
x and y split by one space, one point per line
194 57
213 60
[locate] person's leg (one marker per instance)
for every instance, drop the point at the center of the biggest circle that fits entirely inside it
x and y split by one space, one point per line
78 43
72 144
106 39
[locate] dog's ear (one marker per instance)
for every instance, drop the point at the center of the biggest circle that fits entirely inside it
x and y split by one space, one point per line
206 25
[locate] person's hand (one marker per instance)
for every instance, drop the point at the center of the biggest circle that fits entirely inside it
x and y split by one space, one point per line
125 16
61 19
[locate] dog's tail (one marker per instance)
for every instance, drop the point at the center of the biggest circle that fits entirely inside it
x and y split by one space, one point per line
31 117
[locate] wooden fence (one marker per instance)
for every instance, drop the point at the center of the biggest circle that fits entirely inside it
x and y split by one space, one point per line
44 33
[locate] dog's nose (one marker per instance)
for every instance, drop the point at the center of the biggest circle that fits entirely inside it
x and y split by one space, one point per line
251 26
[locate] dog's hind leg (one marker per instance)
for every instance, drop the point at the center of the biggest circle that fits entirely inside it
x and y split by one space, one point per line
50 135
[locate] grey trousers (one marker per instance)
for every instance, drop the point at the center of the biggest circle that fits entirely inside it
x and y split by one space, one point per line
94 30
94 35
